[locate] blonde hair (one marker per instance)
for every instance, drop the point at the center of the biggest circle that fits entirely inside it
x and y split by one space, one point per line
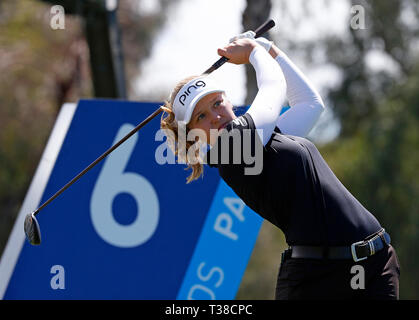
168 122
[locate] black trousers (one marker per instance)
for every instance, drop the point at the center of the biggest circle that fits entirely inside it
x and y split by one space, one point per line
375 278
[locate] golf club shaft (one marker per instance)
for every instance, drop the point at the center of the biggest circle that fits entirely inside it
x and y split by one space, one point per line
106 153
258 32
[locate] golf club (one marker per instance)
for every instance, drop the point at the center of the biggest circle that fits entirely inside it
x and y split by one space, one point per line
269 24
31 225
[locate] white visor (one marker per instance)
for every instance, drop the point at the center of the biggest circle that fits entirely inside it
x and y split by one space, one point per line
190 94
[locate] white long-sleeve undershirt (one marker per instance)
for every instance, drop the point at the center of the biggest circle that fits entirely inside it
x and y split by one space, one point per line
266 107
304 100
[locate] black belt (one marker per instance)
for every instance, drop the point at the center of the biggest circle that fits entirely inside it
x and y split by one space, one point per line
357 251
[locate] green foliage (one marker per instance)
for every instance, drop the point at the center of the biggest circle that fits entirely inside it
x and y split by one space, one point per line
380 166
26 98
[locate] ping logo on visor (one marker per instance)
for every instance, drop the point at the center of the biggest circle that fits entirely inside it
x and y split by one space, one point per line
182 98
190 94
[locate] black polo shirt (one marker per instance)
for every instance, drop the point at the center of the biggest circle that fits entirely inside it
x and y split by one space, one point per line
295 189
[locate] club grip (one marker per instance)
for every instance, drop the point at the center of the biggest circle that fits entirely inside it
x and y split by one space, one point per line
264 27
259 31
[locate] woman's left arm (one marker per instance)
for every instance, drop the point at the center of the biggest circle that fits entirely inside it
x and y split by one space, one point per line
305 102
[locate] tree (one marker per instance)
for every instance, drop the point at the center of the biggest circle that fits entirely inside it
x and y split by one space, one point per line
256 13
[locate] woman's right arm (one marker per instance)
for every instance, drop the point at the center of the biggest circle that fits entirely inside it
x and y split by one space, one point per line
266 107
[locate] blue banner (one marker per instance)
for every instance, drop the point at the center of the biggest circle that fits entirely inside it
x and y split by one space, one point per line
131 228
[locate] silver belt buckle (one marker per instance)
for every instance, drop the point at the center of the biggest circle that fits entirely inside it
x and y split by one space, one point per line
353 251
372 247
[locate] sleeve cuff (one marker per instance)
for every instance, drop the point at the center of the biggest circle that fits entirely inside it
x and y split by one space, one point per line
252 58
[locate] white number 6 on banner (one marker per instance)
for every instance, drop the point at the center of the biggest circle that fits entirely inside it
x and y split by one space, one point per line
112 181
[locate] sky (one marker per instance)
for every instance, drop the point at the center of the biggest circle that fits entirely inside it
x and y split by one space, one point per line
193 33
196 28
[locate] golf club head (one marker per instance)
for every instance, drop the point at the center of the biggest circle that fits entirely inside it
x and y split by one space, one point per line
32 230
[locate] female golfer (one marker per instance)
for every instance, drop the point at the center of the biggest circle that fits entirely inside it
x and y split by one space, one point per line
337 248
